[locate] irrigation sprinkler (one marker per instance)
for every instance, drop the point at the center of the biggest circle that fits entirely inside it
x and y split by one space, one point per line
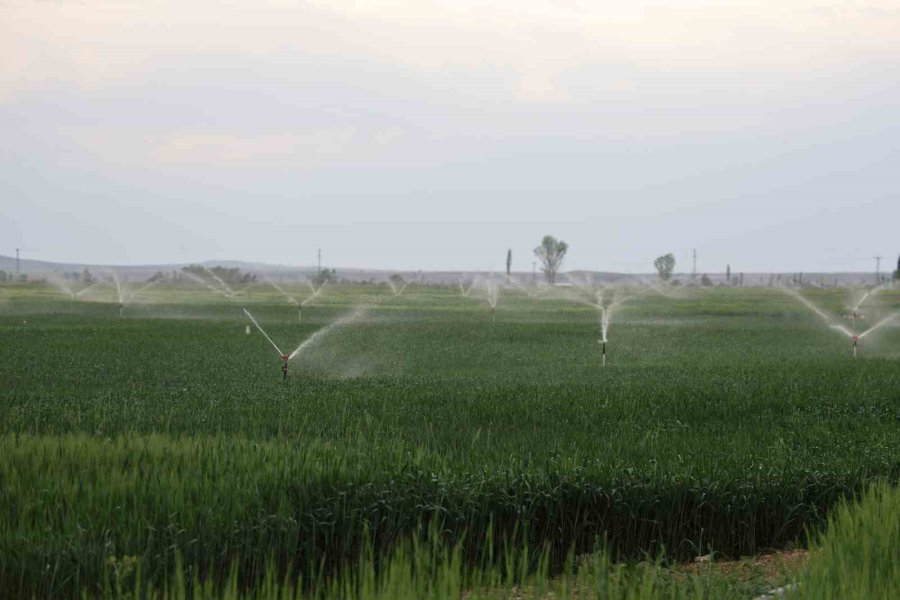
493 297
855 338
285 358
396 287
854 312
604 329
464 289
120 292
315 291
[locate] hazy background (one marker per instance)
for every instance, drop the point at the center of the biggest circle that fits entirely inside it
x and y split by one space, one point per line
421 135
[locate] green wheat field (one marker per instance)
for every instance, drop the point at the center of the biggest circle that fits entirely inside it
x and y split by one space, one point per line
427 447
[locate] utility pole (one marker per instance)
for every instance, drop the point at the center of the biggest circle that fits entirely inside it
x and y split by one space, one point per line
18 270
533 273
878 269
319 270
694 267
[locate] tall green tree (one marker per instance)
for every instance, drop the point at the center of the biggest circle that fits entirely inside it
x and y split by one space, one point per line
551 253
665 264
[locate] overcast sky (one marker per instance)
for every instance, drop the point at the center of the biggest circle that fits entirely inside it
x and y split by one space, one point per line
424 135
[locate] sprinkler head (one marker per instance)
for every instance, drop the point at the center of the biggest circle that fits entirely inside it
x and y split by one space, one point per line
284 366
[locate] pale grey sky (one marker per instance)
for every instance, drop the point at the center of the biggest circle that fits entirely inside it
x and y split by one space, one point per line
435 135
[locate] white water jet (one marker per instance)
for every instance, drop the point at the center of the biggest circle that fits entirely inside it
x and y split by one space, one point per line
854 313
531 291
607 308
286 358
89 287
397 288
62 286
263 331
281 290
493 297
355 315
203 282
879 324
854 337
818 311
464 289
228 291
147 286
315 292
120 291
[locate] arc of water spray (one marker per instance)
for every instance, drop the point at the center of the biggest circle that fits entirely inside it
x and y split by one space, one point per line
854 337
821 313
89 287
315 291
357 312
869 293
606 310
203 282
879 325
263 331
61 285
493 296
120 293
653 286
398 291
228 291
283 292
286 358
530 292
148 285
117 284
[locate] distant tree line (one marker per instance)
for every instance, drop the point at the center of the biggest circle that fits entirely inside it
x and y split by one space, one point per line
11 277
325 276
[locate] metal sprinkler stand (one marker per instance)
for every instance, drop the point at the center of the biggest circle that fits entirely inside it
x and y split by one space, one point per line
284 366
299 313
855 345
602 351
121 310
493 314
